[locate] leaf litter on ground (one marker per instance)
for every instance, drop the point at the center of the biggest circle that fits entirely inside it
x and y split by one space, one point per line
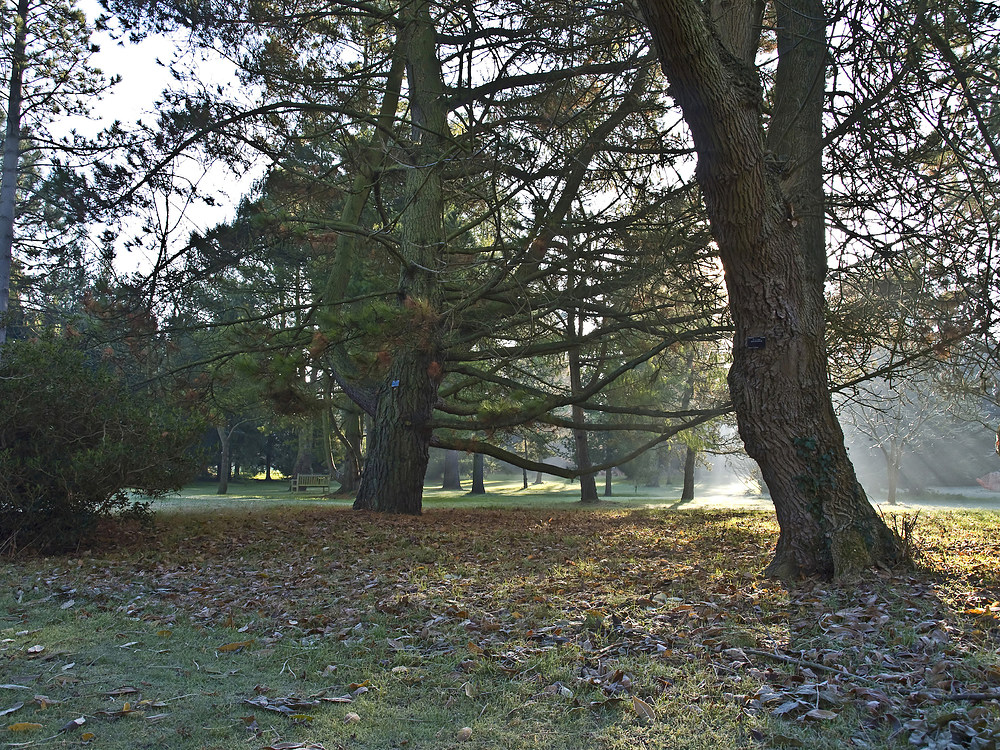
616 608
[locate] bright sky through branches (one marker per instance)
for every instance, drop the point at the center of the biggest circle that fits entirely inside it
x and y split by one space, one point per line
144 68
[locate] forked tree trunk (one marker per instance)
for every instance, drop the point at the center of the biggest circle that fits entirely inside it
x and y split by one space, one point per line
398 448
765 205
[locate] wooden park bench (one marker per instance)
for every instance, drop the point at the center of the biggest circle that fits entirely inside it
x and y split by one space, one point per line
305 482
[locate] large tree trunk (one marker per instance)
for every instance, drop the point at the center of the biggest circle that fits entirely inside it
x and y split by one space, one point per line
393 477
765 207
398 447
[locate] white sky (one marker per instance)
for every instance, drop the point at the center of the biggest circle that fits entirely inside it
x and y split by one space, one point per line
133 99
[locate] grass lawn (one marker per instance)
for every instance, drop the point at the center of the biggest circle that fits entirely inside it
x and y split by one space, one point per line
516 621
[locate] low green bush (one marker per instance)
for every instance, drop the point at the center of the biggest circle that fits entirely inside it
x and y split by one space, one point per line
74 439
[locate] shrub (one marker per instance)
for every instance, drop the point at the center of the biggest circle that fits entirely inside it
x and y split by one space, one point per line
74 439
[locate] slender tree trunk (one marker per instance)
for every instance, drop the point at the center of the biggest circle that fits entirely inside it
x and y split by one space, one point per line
478 474
268 455
765 208
609 472
452 477
224 436
350 474
690 456
524 470
11 158
667 466
656 474
393 477
588 480
304 453
326 428
893 463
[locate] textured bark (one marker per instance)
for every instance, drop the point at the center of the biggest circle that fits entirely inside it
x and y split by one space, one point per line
774 260
393 477
398 446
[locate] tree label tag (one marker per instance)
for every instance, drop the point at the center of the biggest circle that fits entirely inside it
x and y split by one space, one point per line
756 342
395 384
